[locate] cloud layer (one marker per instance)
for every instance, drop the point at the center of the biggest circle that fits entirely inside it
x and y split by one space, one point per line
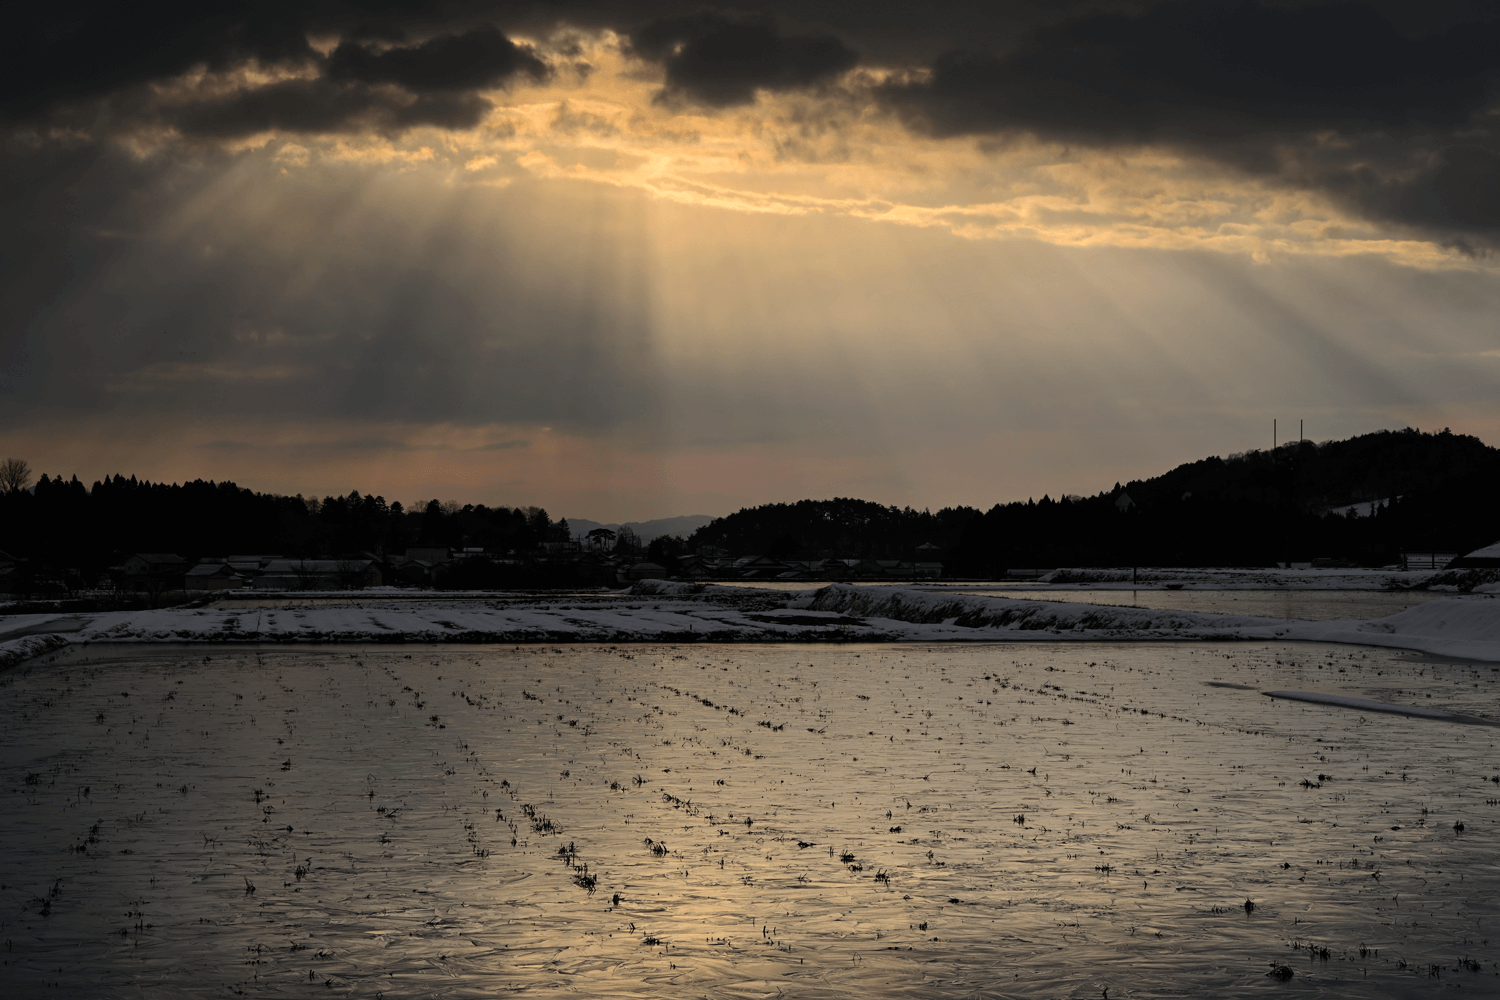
711 252
1330 97
723 59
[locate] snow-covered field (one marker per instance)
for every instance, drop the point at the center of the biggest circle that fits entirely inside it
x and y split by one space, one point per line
659 611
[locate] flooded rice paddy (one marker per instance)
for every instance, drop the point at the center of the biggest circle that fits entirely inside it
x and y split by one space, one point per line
728 821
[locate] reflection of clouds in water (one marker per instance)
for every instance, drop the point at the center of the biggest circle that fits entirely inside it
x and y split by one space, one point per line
1065 815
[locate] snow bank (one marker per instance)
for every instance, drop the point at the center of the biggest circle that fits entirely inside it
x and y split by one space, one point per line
662 611
966 611
1462 628
13 651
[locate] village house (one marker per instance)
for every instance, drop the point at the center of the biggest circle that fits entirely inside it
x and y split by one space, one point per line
319 574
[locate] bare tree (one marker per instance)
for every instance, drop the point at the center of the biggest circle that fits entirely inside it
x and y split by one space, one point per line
306 573
15 475
155 584
352 573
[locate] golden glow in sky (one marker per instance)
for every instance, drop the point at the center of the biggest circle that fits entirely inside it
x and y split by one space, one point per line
590 290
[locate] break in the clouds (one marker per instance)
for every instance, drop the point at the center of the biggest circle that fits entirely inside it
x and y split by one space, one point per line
1382 109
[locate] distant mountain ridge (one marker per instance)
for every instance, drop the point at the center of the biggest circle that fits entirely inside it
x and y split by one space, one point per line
683 525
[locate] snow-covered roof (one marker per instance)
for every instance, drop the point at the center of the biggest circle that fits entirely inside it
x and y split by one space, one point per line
1488 552
211 569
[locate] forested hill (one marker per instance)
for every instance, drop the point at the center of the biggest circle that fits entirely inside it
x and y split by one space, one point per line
1256 508
1316 477
838 527
1260 508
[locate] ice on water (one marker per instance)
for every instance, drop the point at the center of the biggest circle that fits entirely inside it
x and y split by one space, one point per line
819 821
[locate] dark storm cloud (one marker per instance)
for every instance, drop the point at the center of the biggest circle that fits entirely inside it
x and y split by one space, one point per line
1384 105
1213 70
1263 88
722 59
1459 188
322 107
479 57
389 88
60 51
375 78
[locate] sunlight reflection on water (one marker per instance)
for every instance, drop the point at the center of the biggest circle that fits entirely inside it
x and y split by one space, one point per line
820 821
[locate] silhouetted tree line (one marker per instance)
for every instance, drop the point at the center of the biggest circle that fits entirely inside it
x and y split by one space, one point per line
1260 508
838 528
1252 509
62 527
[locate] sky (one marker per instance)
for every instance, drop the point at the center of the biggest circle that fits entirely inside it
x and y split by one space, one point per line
634 260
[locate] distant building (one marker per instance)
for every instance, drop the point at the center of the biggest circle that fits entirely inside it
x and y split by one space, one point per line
646 571
319 574
156 572
213 576
155 563
757 568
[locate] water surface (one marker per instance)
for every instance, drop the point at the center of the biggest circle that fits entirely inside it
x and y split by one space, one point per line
808 821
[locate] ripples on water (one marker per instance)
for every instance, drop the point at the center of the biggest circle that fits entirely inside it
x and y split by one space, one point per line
842 821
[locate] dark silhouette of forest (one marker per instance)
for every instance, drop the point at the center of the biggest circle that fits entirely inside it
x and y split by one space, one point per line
838 528
68 534
1260 508
1253 509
